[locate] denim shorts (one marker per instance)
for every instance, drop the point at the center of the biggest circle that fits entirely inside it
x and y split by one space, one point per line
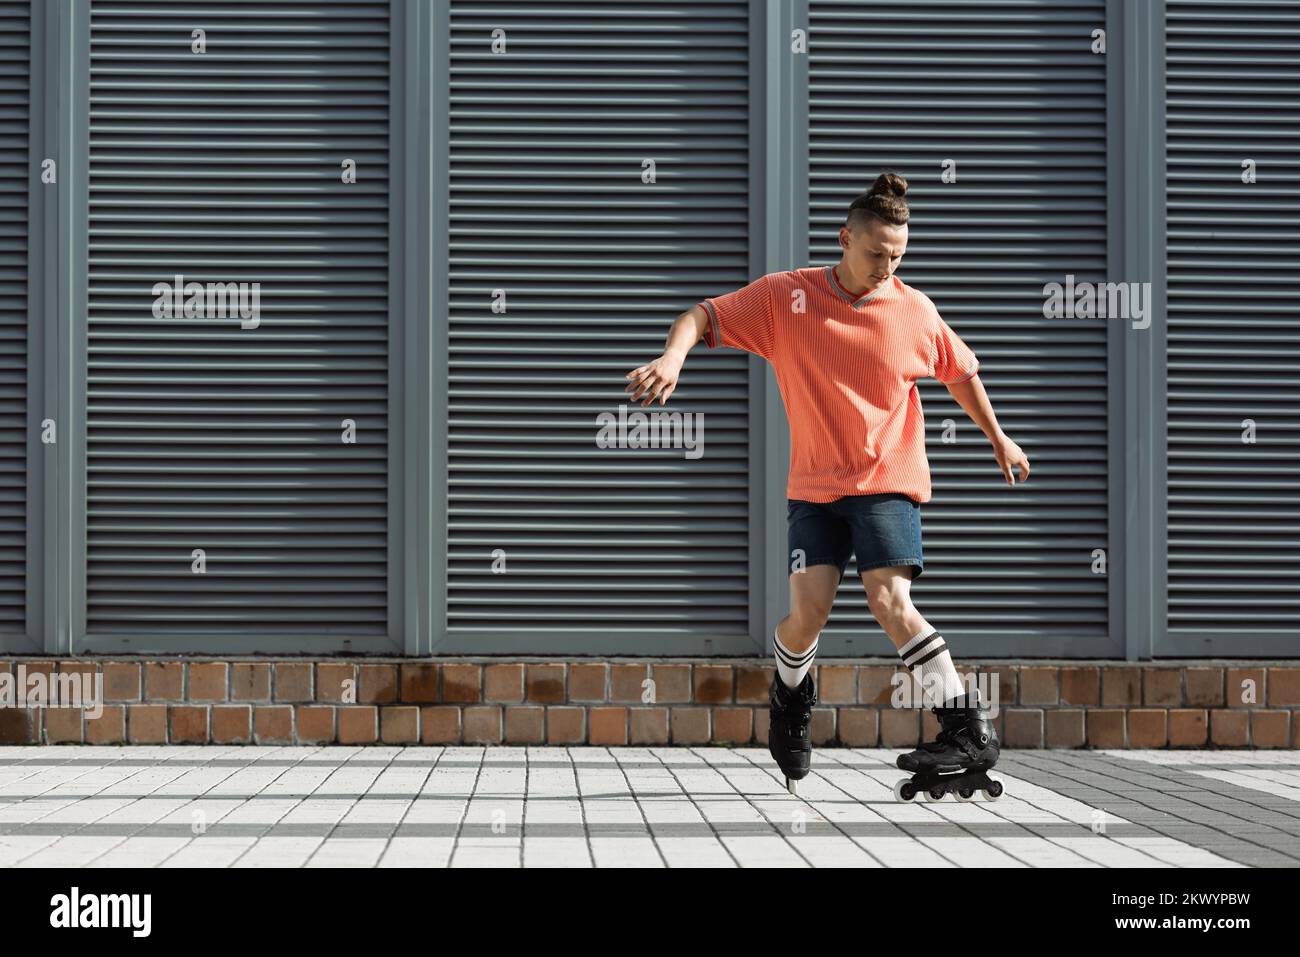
882 530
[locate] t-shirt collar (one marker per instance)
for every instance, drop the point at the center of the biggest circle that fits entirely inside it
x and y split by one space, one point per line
845 294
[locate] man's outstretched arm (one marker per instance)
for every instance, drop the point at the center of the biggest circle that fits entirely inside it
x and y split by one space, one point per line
658 379
970 395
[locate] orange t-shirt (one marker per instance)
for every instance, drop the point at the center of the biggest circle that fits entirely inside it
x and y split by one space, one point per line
847 369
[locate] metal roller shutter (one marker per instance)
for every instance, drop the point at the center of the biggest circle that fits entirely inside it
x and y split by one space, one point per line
1233 93
15 174
1011 91
225 167
603 547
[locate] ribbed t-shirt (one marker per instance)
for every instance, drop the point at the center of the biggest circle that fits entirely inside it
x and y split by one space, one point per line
847 369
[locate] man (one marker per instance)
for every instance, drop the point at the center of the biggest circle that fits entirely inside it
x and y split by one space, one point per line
847 344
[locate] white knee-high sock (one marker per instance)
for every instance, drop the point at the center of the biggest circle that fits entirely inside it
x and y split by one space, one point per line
926 657
793 665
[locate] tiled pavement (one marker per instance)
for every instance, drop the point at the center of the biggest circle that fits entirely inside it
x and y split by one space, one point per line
608 807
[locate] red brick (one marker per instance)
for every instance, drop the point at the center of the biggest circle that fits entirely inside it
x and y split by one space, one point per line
1120 687
1237 681
250 681
189 724
15 726
440 724
1270 729
1229 728
207 681
587 682
648 726
1038 685
875 685
273 724
293 681
399 724
314 724
164 681
672 683
713 684
376 684
607 725
821 730
462 684
754 682
1283 687
1064 727
358 724
63 725
733 725
900 727
525 724
109 727
859 727
419 682
1024 726
1148 728
336 682
482 724
1079 686
121 681
1188 728
836 684
504 683
232 723
1161 688
146 724
1104 727
566 724
544 684
1204 687
690 725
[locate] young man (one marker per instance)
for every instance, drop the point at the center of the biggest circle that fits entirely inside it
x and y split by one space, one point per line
847 344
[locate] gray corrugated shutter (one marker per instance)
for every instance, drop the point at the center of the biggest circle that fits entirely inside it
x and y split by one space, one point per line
1233 94
15 72
1011 92
602 546
225 167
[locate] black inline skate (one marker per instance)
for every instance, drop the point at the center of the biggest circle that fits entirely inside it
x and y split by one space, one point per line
958 759
788 737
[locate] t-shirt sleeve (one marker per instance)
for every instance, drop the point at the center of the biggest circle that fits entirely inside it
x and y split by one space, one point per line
953 360
742 319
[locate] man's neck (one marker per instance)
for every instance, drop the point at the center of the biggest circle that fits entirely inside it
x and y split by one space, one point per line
853 289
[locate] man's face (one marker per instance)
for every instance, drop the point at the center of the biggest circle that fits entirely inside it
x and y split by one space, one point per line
874 251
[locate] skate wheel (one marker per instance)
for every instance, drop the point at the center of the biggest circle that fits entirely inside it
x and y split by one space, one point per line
791 785
993 791
965 793
904 791
936 793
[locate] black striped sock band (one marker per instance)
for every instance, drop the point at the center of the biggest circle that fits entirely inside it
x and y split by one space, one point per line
790 659
930 647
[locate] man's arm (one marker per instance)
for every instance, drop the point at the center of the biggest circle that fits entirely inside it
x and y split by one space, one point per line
660 376
970 395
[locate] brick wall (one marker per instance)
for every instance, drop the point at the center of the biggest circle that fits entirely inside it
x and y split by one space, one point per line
707 701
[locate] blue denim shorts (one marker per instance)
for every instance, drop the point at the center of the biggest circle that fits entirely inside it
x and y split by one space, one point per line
882 530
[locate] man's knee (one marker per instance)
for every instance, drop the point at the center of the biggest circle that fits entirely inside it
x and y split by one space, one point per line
888 600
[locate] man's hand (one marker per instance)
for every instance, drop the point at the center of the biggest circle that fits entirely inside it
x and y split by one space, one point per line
1010 456
658 380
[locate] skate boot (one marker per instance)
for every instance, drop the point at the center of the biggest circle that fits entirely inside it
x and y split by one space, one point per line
788 736
957 760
